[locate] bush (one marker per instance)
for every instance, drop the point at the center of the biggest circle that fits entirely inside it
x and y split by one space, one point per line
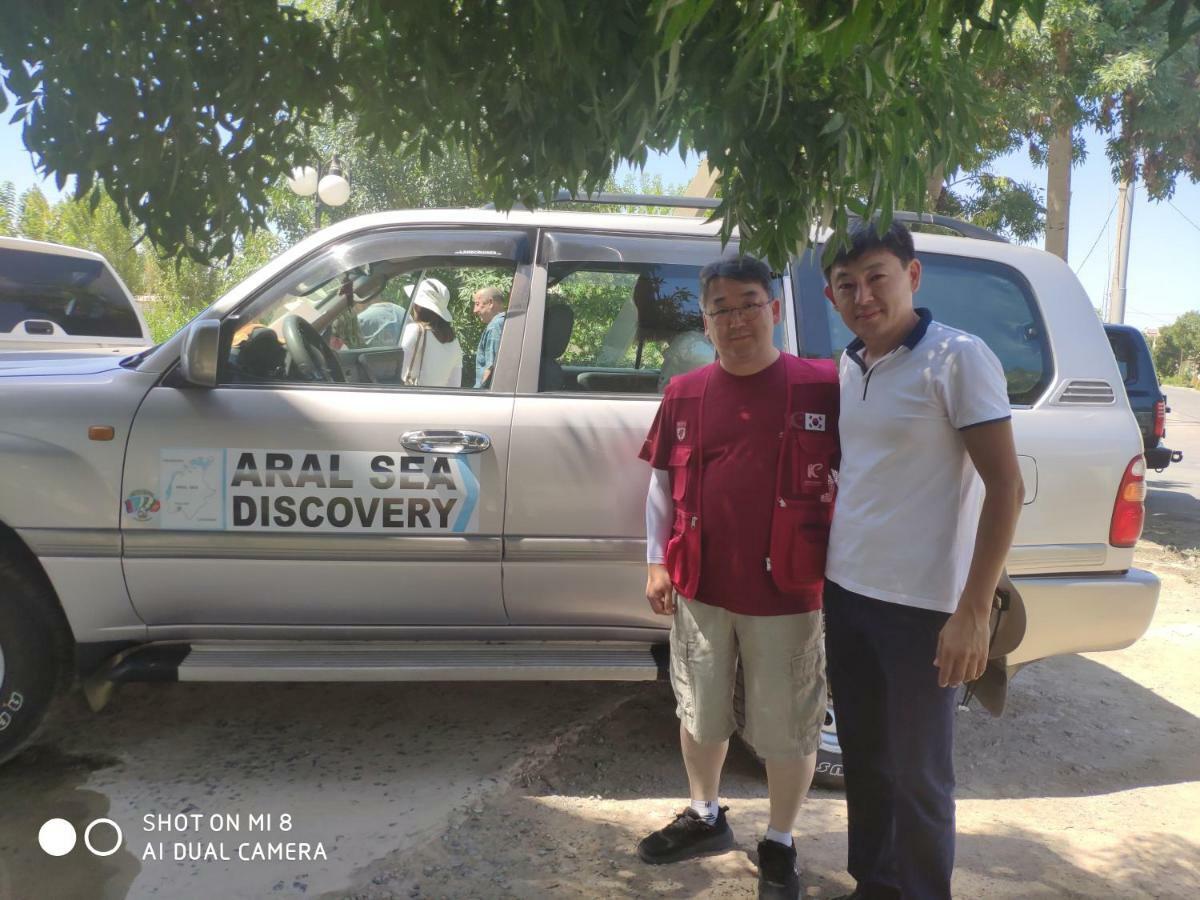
166 316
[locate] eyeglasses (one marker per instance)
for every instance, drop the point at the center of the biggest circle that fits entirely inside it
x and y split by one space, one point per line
744 312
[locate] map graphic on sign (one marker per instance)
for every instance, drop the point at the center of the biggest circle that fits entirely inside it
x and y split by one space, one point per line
191 487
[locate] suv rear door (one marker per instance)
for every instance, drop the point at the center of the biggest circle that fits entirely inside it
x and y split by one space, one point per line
1069 423
612 318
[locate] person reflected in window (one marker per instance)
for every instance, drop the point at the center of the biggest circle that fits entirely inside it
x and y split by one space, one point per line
432 354
489 306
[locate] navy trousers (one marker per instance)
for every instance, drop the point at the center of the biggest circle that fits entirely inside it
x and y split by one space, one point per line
896 729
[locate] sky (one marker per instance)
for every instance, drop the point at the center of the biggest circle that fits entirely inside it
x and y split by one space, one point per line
1164 256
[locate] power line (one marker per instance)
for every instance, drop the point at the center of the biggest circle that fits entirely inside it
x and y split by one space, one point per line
1098 236
1185 218
1151 315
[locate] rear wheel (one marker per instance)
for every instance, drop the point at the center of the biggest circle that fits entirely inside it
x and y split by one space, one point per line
33 653
829 752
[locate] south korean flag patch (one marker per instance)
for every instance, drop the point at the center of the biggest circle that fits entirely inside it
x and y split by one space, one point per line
814 421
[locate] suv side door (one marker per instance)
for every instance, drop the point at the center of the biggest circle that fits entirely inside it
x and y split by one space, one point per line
282 498
612 318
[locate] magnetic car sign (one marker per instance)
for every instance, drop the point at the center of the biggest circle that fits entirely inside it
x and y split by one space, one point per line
353 491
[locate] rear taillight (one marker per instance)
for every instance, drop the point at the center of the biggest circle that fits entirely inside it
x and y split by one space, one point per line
1160 418
1129 512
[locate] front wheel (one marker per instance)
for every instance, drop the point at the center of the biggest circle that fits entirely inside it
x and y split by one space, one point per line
33 652
829 751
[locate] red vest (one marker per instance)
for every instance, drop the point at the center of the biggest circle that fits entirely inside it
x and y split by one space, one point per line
804 483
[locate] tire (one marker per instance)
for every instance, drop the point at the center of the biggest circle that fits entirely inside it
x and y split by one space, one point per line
34 642
829 752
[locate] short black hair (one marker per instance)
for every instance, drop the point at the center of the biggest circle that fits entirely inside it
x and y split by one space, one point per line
864 238
739 268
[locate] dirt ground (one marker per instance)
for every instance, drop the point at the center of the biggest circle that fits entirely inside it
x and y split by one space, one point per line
1089 786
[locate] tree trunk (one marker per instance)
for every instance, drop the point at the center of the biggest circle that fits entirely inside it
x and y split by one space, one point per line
703 184
1058 163
934 187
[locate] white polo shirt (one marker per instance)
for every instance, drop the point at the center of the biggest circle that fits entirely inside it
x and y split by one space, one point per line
908 495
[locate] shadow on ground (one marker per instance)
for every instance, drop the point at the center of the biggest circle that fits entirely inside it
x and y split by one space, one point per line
44 783
1172 514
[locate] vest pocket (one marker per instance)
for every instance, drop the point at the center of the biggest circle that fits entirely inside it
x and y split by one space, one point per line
809 459
680 471
682 558
799 540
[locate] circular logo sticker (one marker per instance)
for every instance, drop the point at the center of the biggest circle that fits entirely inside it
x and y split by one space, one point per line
141 505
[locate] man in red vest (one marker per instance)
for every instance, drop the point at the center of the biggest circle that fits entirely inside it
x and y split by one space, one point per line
737 516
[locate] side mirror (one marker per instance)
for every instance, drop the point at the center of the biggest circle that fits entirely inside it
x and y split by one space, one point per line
201 349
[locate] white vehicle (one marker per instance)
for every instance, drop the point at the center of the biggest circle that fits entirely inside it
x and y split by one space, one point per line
262 497
57 300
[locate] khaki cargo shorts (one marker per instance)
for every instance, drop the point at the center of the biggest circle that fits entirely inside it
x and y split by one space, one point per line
783 665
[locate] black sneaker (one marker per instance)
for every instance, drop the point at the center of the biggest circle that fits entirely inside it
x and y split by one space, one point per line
777 878
688 836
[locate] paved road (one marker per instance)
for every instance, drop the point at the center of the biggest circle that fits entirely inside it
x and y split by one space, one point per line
1175 492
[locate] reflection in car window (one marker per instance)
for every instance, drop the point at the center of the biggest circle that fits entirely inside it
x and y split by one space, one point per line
989 300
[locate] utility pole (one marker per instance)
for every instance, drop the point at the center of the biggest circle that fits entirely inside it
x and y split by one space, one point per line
1059 157
1120 274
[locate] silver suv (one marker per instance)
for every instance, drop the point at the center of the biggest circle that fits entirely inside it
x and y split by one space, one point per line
265 497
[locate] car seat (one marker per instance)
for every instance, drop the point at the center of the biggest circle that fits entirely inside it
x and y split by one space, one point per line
556 335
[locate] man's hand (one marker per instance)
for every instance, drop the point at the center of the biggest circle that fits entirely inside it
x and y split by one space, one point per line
659 591
962 647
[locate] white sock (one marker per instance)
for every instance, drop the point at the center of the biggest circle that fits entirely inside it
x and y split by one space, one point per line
707 810
779 837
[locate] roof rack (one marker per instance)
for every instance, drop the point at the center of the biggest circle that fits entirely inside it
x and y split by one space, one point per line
675 202
958 226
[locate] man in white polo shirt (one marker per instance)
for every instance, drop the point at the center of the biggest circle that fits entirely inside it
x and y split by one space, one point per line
928 498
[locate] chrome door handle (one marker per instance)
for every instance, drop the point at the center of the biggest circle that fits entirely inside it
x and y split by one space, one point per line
445 441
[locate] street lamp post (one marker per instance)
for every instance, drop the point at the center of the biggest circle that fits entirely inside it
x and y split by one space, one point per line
329 187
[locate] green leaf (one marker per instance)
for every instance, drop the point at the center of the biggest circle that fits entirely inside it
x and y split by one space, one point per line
835 123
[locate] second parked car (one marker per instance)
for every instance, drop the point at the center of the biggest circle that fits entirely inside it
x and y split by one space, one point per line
57 301
1147 400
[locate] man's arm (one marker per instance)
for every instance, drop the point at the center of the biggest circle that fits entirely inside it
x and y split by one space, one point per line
491 340
660 510
963 643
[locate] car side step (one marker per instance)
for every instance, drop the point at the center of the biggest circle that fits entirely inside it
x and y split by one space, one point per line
387 661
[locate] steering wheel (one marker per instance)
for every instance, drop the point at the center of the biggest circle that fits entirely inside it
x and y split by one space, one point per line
309 352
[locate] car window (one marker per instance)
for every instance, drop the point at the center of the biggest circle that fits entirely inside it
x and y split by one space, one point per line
392 310
1126 356
50 293
987 299
627 320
